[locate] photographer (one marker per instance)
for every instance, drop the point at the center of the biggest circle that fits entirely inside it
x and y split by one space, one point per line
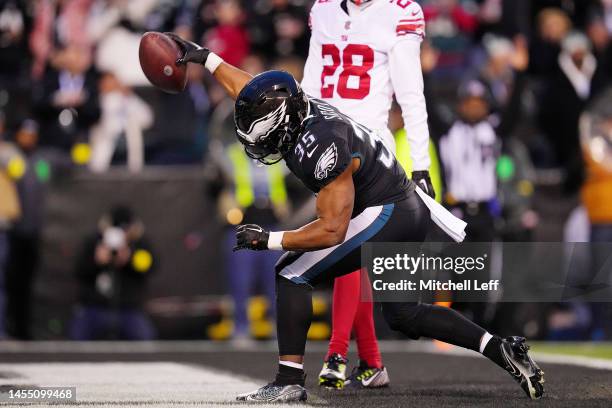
113 271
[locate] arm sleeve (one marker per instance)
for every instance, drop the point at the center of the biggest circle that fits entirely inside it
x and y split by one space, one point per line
407 80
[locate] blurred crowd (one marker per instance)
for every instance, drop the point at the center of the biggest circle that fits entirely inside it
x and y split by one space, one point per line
514 77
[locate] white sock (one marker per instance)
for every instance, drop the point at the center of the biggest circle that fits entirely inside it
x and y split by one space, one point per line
291 364
484 340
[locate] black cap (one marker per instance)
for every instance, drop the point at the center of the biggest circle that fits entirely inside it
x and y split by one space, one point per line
121 216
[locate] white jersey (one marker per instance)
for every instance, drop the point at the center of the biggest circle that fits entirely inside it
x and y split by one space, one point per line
360 56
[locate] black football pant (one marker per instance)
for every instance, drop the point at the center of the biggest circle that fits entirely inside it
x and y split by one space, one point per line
299 272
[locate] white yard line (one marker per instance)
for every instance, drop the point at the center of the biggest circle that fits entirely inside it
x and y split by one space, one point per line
104 347
133 384
589 362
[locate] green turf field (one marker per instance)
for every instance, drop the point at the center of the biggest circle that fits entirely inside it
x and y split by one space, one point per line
591 349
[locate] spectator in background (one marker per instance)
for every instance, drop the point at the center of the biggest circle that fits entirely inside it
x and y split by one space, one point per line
200 103
113 270
279 28
576 10
474 138
13 40
553 25
600 38
116 27
57 25
503 17
123 114
228 38
596 194
578 80
66 100
14 69
9 212
25 236
469 149
497 73
450 28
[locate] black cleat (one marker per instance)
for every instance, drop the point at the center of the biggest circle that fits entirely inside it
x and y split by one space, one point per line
333 373
367 377
275 393
521 367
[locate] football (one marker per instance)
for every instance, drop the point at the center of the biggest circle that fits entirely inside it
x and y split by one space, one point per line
158 54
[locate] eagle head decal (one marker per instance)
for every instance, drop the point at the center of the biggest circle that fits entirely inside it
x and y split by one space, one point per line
326 162
262 127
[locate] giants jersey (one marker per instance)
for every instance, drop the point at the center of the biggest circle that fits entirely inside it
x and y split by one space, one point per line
325 148
361 55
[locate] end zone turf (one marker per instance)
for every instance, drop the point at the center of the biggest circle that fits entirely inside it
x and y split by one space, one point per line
187 374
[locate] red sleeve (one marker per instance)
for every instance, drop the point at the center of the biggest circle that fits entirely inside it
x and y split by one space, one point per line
412 22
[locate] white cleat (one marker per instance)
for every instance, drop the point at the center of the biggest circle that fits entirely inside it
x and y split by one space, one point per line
275 393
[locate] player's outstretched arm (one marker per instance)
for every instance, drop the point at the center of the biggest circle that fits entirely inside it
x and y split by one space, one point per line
232 79
334 208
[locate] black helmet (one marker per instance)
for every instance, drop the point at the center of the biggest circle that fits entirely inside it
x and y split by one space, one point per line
269 113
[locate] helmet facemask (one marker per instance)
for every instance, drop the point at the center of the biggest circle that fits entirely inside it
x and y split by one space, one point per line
270 149
269 116
269 145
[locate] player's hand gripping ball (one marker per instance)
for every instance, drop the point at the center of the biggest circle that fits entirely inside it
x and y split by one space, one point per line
191 52
251 236
158 54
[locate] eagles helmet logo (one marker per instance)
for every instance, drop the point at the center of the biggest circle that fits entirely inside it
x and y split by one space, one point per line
262 127
326 162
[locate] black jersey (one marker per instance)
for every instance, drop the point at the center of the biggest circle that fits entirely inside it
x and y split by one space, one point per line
328 143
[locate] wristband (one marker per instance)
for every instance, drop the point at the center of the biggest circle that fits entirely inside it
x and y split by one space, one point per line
212 62
275 240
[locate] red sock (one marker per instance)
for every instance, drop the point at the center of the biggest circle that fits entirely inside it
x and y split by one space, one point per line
344 309
365 333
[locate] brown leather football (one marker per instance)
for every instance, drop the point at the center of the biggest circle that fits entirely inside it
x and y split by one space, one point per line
158 54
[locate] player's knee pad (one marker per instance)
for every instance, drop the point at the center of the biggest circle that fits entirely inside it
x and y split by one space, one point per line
404 317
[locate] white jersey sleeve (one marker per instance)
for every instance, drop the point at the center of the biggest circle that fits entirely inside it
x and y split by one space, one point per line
407 79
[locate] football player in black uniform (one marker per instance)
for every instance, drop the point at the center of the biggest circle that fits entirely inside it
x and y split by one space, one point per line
362 195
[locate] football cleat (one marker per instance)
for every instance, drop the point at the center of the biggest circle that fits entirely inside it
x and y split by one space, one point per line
333 373
521 367
367 377
275 393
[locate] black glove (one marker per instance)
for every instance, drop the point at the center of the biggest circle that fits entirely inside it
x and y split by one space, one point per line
192 52
251 236
421 178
